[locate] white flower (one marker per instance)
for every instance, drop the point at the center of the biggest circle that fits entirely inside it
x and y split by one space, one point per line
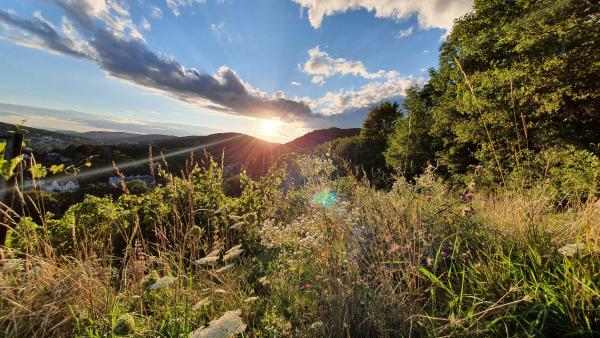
250 299
163 282
570 250
228 325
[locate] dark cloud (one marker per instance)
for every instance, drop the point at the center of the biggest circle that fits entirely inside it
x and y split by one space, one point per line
46 36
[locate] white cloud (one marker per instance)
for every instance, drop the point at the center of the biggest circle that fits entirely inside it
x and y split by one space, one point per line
175 5
403 33
217 27
155 12
333 103
145 24
112 13
425 52
430 13
320 65
295 83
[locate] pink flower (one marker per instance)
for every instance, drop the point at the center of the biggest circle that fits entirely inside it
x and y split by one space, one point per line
306 286
468 197
444 253
478 168
394 247
428 197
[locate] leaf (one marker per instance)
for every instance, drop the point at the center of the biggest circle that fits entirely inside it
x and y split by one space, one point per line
55 169
2 146
38 171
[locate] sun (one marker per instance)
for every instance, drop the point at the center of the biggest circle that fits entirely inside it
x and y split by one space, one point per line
270 127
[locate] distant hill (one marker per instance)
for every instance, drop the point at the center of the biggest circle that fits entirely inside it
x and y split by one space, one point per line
320 136
46 140
240 150
116 137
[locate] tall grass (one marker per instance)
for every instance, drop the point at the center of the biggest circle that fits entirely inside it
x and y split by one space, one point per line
330 256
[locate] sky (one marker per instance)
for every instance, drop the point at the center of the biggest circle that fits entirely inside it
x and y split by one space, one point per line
274 69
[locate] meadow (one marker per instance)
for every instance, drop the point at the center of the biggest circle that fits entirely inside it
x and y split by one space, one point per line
315 253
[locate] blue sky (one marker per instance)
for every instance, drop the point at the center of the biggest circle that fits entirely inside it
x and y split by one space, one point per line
270 68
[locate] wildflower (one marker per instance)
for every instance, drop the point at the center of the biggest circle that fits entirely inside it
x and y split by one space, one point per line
225 268
393 248
149 280
428 197
306 286
236 225
250 299
429 261
208 260
444 253
124 325
219 291
478 168
201 304
230 324
316 325
468 197
163 283
423 225
232 255
570 250
263 280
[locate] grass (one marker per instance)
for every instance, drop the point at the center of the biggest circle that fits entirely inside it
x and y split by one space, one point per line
327 257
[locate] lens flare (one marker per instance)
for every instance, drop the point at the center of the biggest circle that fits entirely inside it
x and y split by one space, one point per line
324 198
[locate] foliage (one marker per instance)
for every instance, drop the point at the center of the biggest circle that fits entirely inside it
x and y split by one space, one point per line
418 260
514 78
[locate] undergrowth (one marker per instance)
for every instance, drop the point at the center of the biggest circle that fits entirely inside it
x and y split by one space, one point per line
315 255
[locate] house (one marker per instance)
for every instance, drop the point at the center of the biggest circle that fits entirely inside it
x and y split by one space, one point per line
57 187
149 180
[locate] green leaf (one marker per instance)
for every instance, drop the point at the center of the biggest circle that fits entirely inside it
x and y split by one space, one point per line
55 169
38 171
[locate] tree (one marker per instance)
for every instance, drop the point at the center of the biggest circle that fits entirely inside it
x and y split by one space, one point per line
515 77
411 145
